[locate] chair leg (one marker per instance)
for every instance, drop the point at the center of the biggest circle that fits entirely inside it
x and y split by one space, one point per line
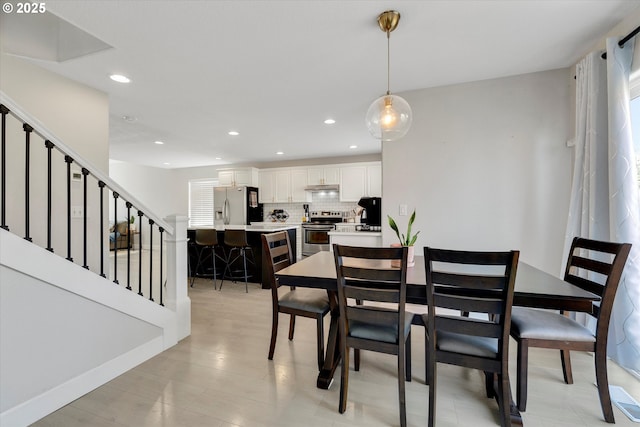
193 278
401 380
356 359
320 338
215 272
407 356
431 381
488 384
344 379
504 400
522 373
603 383
292 326
274 333
565 359
244 265
226 268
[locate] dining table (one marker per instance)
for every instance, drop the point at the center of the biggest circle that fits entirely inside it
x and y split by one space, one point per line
533 288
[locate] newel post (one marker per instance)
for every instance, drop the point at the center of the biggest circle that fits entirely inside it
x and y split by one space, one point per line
177 298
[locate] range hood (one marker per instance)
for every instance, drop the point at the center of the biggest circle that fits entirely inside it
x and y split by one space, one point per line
322 187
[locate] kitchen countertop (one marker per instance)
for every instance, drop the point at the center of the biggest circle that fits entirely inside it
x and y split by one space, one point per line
259 227
356 233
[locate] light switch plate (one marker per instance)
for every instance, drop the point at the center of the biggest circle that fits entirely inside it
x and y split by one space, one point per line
403 210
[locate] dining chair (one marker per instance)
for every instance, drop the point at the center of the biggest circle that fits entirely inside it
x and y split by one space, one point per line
206 244
237 241
594 266
479 283
365 275
311 303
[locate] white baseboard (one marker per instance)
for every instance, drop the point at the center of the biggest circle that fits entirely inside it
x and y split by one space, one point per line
54 399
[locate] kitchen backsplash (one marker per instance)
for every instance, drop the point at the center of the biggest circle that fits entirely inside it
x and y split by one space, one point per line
320 202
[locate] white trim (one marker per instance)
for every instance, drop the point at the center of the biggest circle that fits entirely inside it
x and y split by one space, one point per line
51 400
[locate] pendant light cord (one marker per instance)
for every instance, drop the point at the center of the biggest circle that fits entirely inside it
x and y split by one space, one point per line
388 62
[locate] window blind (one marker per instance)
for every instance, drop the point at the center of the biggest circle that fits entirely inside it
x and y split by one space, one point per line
201 202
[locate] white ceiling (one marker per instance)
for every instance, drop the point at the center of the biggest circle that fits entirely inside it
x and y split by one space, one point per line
275 70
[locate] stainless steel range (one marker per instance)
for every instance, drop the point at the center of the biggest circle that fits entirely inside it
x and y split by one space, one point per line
315 233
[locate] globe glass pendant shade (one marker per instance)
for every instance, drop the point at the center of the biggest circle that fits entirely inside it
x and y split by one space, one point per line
389 118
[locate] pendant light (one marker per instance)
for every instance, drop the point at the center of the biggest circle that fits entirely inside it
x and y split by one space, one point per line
389 117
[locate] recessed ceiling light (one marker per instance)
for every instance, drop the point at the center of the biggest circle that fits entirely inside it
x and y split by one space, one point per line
329 122
280 153
166 163
129 118
218 158
119 78
234 133
159 142
353 147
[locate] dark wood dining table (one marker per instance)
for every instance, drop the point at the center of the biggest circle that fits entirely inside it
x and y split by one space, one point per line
533 288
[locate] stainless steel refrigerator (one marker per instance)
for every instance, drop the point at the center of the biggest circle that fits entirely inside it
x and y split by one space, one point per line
236 206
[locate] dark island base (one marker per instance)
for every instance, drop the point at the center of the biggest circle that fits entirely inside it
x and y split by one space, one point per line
257 273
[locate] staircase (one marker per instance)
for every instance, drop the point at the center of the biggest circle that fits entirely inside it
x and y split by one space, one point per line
73 313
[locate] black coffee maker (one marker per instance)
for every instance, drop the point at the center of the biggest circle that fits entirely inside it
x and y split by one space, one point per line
371 216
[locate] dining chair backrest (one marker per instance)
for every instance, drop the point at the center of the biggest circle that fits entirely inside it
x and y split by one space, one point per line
597 266
471 282
277 248
365 274
206 237
365 277
481 285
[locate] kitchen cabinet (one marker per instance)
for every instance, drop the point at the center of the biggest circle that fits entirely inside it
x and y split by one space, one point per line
324 175
238 177
283 186
374 180
358 238
360 180
266 185
353 183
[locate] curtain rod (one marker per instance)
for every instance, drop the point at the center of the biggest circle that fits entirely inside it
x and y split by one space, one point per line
621 43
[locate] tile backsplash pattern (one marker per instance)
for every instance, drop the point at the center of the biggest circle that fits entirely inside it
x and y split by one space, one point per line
320 202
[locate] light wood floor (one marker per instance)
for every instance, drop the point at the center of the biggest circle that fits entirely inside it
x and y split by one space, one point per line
220 377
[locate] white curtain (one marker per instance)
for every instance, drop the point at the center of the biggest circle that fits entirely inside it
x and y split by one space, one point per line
604 201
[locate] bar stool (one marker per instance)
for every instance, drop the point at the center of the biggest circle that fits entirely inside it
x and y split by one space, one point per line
207 240
237 241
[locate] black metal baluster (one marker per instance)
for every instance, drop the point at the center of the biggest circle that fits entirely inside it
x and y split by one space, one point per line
129 246
161 263
4 111
85 174
49 146
101 185
115 235
69 160
140 254
151 259
27 142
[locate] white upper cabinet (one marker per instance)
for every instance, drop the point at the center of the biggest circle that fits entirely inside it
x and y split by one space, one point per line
299 180
353 183
283 185
238 177
267 187
374 180
324 175
360 180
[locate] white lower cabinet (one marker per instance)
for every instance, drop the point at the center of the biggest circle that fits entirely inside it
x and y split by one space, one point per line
358 238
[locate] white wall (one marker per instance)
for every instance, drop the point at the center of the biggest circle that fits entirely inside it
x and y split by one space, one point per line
79 117
486 166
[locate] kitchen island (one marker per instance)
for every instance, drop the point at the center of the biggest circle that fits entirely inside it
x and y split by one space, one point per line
258 272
